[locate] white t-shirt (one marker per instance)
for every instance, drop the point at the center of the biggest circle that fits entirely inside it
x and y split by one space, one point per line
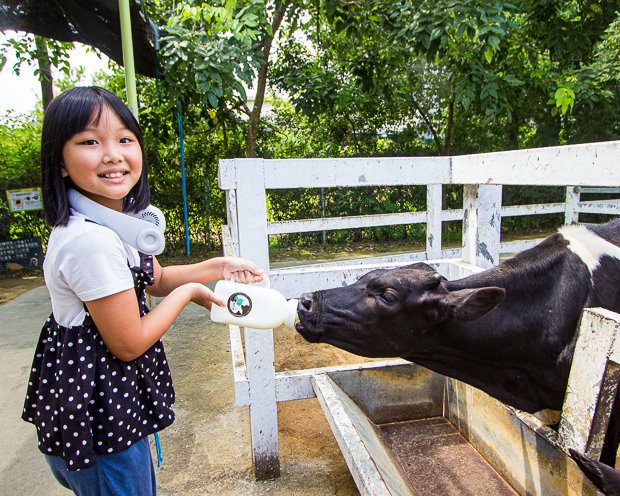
85 261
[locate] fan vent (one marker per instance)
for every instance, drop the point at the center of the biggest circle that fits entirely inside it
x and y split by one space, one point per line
150 217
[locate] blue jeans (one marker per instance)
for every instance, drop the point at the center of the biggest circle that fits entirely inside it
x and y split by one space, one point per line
128 473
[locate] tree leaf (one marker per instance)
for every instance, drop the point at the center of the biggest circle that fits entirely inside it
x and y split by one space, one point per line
212 99
494 42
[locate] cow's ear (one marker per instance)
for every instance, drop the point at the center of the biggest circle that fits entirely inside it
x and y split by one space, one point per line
471 304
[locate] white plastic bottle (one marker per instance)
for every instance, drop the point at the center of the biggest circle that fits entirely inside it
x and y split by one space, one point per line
249 305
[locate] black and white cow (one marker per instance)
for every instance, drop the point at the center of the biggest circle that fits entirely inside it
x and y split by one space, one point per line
509 331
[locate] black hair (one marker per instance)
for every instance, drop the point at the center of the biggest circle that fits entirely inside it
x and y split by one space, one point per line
68 114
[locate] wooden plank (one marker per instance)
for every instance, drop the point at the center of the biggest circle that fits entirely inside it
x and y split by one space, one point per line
252 213
352 222
482 224
433 222
338 172
227 173
599 207
227 244
592 383
453 214
591 164
572 205
263 406
240 372
361 221
231 218
411 257
545 208
599 190
460 269
297 384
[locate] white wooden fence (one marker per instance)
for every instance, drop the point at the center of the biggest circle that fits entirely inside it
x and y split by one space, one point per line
247 180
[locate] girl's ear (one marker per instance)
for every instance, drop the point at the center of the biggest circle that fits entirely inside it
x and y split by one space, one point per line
63 171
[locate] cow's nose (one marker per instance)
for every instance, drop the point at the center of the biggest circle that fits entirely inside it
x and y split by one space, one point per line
306 302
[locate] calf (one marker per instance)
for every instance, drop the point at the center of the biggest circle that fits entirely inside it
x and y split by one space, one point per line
509 331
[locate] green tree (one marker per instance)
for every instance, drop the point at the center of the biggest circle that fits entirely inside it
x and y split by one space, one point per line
210 51
20 149
517 66
43 52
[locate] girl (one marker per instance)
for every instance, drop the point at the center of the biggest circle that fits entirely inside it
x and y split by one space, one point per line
100 382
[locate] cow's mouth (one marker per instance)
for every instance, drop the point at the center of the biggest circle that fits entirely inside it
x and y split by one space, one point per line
307 325
309 335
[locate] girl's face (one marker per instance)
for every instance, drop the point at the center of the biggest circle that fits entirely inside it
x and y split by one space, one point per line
104 161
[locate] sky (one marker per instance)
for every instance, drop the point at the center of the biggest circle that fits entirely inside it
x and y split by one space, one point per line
21 94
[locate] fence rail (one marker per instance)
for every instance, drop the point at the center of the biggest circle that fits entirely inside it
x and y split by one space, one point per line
580 168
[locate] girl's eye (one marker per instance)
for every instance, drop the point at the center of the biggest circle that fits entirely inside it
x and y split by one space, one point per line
90 142
388 297
126 140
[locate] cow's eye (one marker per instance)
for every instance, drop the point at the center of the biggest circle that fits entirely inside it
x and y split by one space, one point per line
388 297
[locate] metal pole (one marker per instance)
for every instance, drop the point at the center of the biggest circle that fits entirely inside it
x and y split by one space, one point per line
130 72
207 186
323 209
183 179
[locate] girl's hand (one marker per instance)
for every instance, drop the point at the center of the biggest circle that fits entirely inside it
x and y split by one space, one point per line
240 270
203 296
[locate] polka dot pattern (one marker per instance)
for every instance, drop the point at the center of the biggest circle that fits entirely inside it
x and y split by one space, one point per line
84 401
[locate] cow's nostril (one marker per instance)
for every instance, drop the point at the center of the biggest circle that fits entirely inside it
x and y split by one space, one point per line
306 302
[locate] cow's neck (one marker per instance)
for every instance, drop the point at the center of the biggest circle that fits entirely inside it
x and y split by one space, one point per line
507 352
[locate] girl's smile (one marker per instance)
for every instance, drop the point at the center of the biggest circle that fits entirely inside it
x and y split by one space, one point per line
104 161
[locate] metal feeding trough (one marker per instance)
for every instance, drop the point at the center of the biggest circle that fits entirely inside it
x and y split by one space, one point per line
402 428
405 430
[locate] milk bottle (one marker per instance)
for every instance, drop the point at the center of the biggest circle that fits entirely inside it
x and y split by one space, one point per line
249 305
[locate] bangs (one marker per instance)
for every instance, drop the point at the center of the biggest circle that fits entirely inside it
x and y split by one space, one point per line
71 113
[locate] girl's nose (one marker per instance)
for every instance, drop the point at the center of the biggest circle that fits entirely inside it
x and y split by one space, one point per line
112 155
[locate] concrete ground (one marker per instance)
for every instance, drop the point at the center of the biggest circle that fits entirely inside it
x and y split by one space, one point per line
207 449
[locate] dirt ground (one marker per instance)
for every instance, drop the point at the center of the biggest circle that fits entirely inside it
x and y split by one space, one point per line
196 454
207 450
14 284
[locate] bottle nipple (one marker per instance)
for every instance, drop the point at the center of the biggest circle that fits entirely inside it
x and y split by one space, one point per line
291 314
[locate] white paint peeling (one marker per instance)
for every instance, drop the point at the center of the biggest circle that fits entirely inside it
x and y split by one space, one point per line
588 246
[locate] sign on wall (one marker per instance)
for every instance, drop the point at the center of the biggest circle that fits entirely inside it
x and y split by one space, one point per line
17 254
21 200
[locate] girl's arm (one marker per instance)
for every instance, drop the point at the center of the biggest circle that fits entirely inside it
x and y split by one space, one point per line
169 278
126 334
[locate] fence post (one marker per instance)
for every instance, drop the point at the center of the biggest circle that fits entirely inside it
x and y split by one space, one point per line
573 196
482 224
433 221
231 218
253 241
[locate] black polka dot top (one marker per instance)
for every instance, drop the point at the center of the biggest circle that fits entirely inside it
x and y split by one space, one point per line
84 401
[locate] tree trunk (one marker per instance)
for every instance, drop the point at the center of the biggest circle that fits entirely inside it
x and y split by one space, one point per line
430 126
250 142
45 72
448 138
